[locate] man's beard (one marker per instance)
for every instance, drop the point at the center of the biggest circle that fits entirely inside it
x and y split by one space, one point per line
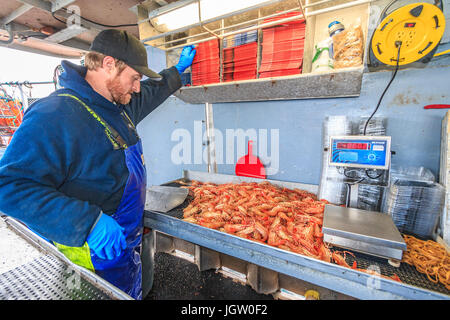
119 95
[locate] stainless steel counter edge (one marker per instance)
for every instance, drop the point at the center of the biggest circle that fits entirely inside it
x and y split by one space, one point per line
47 248
218 178
334 277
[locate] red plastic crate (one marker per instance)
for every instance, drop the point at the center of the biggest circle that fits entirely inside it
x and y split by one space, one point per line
206 63
282 47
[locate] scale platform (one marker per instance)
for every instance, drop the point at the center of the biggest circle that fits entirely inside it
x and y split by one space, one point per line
369 232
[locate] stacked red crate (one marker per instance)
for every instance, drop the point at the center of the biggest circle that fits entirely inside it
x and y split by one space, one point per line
206 64
240 63
282 47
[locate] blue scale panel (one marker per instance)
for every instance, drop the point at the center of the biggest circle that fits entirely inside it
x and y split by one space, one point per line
360 153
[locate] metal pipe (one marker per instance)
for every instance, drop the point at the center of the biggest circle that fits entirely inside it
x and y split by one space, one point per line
316 3
11 83
11 36
340 6
211 144
269 24
211 20
25 83
169 8
230 27
301 7
311 14
201 22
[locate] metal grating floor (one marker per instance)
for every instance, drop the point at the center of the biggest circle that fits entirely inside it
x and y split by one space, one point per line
47 278
407 273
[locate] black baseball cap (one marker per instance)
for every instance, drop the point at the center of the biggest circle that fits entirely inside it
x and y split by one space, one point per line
126 47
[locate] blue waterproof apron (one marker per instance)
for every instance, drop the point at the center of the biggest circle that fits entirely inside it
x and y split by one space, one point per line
124 271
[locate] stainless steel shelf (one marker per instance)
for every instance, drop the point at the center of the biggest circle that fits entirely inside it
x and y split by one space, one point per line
342 83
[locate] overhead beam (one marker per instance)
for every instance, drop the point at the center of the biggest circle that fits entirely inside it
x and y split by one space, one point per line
73 44
66 34
148 6
41 4
15 14
170 7
55 9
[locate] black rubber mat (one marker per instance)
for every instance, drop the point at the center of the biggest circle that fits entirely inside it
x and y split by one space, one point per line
179 279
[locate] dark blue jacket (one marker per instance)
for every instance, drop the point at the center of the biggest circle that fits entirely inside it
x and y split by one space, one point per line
60 170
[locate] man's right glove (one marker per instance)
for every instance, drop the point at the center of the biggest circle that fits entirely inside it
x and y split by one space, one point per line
107 239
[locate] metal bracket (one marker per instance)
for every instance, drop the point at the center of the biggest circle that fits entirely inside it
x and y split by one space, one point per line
66 34
8 28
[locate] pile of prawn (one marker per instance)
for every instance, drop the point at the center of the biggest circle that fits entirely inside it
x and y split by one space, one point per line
290 219
280 217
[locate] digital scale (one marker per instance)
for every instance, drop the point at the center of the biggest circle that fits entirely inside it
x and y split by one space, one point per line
406 35
365 231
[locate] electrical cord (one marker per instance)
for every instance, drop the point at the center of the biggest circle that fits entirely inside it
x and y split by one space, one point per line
373 178
442 54
399 45
386 8
348 184
385 90
57 19
345 173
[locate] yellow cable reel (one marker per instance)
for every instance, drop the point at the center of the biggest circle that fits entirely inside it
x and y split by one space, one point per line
418 27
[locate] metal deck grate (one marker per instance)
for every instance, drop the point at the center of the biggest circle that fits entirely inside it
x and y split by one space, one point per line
407 273
47 278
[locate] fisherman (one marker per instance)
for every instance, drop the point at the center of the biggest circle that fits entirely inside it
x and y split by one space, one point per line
74 171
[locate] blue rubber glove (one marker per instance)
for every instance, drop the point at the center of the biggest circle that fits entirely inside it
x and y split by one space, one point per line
107 239
186 58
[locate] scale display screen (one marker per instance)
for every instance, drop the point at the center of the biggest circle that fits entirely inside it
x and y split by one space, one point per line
360 151
353 145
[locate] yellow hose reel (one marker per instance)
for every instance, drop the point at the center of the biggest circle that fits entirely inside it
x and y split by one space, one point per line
417 27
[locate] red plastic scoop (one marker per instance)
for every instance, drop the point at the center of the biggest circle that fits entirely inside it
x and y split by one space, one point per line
250 165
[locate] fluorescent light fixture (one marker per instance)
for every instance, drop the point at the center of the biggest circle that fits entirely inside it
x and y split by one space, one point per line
215 8
210 9
178 18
